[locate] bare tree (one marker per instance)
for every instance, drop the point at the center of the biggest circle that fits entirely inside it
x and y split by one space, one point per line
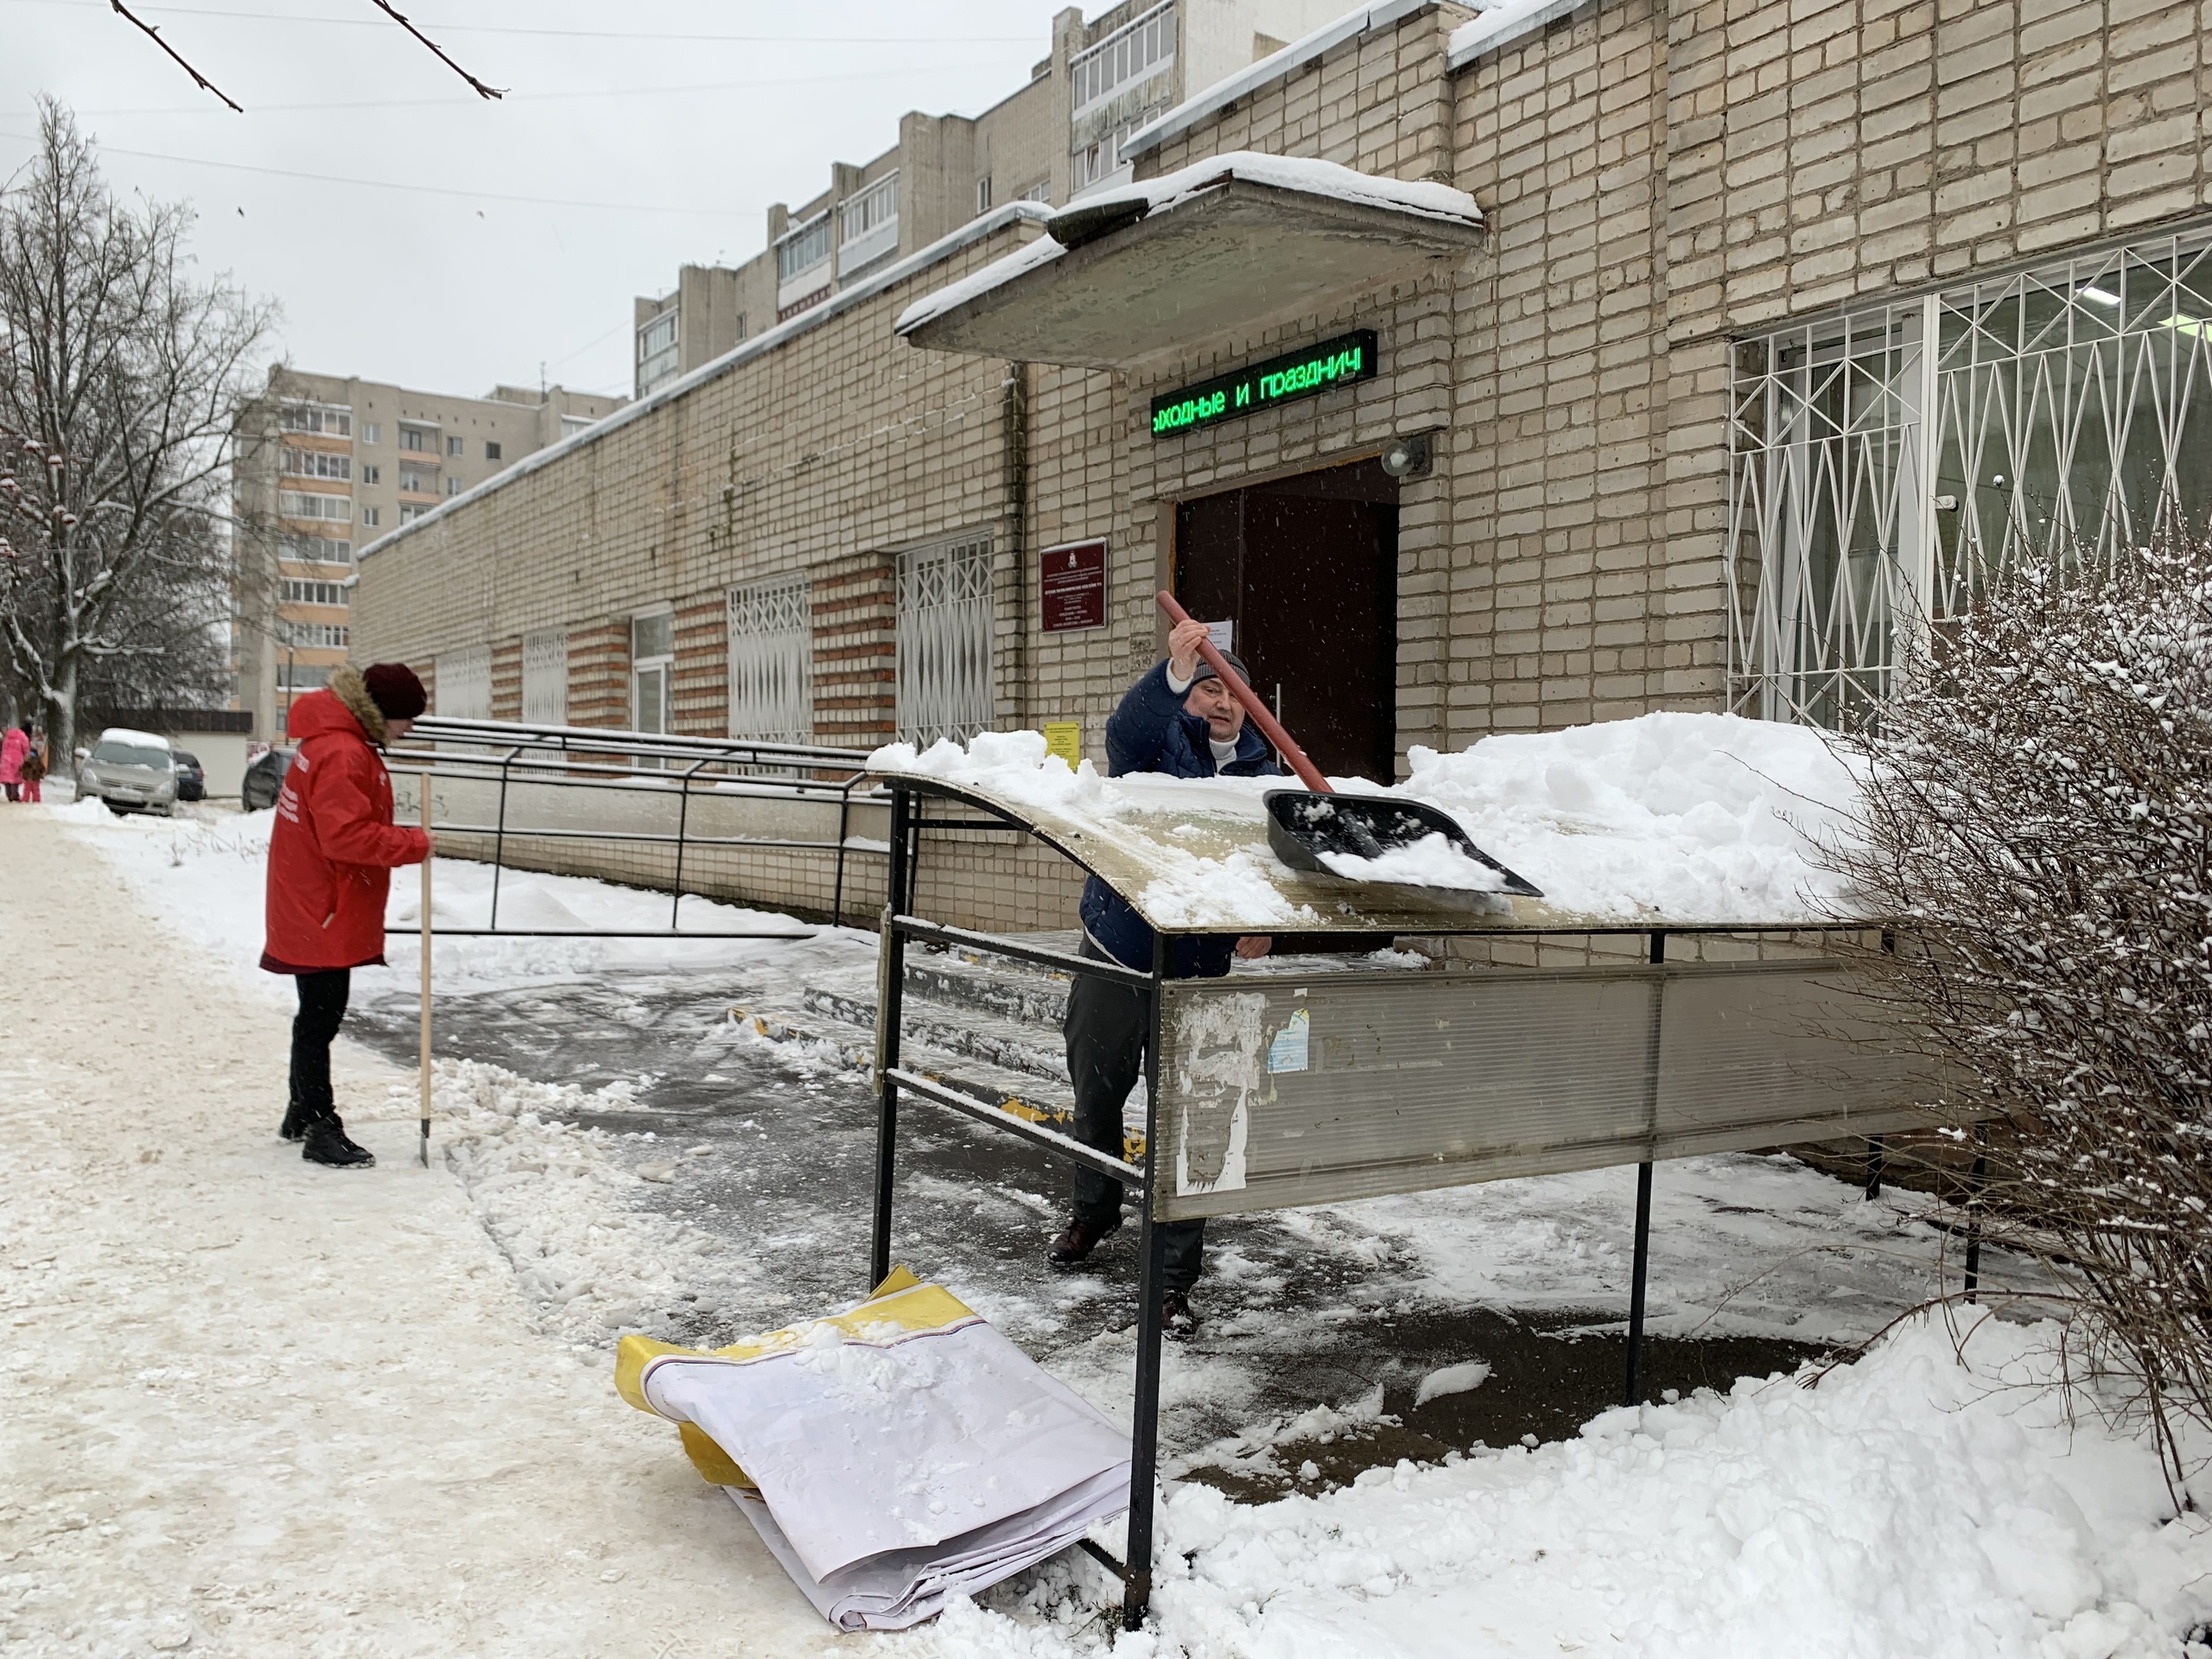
2038 818
119 375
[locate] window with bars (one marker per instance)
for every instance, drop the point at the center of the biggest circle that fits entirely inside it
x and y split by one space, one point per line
464 685
1886 465
771 645
944 640
545 678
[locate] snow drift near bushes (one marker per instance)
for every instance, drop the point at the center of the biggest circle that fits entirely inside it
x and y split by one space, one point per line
1907 1505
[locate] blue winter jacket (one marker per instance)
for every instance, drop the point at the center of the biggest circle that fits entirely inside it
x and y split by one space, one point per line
1151 732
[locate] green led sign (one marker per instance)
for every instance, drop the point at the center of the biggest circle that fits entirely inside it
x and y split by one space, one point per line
1336 362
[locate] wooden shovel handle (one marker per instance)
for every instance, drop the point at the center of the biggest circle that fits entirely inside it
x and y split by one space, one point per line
1270 728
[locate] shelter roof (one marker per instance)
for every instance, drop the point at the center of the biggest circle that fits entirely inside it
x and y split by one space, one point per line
1193 854
1168 264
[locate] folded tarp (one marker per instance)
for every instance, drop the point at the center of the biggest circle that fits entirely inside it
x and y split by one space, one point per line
892 1455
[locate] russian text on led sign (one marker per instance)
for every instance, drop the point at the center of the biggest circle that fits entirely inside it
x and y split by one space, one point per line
1317 369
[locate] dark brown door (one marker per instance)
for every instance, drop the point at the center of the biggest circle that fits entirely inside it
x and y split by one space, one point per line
1307 569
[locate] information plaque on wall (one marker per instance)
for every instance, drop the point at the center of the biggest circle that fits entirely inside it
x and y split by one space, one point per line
1072 585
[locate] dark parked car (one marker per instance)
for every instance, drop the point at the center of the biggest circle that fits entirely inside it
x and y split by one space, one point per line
264 778
191 781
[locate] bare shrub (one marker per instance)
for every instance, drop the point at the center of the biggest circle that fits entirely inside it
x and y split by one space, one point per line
2038 818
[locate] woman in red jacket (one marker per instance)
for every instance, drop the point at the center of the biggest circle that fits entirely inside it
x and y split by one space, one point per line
331 855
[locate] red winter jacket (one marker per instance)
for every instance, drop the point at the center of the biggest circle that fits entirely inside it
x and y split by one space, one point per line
334 845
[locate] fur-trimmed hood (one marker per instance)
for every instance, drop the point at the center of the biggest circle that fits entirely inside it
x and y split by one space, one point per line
350 688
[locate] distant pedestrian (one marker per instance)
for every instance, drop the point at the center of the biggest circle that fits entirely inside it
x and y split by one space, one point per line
32 772
13 748
331 854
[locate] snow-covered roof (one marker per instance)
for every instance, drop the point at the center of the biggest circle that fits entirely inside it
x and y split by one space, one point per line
125 734
1196 109
943 248
1146 199
1671 820
1500 25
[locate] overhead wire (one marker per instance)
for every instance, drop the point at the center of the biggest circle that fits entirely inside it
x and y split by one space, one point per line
856 38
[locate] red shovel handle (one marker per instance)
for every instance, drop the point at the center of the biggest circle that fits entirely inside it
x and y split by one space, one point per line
1270 728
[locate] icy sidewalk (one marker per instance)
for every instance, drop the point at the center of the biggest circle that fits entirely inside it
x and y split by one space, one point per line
249 1406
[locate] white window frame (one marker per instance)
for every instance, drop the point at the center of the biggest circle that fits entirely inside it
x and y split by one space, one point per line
868 224
1137 51
329 420
660 663
813 243
770 657
944 630
314 508
545 678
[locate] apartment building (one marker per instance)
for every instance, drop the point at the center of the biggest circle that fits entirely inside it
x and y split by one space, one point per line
1054 136
1486 370
329 462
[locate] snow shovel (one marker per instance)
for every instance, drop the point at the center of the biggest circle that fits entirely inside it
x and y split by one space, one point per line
1304 825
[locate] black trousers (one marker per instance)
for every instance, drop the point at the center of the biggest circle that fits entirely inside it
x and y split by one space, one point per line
314 1027
1107 1028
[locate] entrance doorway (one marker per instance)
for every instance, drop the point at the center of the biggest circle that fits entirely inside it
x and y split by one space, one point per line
1306 568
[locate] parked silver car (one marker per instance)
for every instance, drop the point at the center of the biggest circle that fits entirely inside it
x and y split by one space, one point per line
132 772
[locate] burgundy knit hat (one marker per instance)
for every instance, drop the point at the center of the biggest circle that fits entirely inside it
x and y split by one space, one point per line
394 690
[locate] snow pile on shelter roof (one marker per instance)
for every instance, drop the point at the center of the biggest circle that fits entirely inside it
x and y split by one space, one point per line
1670 817
1908 1505
1423 198
1497 24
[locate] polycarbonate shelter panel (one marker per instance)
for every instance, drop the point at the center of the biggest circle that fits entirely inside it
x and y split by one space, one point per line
1276 1092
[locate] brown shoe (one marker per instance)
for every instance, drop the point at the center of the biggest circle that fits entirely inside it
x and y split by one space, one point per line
1177 1322
1082 1237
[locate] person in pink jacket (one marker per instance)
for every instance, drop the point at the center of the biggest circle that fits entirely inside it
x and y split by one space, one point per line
13 748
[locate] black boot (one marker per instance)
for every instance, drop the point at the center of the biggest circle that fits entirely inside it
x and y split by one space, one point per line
296 1119
326 1142
1084 1234
1177 1322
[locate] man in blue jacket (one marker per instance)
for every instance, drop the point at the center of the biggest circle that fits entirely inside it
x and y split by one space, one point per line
1179 719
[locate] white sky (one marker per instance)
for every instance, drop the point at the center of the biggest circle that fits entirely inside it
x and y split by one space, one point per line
642 145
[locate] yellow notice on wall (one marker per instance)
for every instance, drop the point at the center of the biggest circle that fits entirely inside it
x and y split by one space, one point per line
1065 739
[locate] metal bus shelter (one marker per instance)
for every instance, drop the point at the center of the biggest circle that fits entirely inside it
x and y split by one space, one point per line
1272 1091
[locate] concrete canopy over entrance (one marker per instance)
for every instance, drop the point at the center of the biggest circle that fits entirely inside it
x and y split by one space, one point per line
1168 264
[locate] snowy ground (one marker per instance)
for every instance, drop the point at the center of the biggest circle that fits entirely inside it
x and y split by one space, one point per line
716 1183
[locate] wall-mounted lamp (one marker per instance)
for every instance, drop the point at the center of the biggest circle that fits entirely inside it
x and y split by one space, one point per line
1409 457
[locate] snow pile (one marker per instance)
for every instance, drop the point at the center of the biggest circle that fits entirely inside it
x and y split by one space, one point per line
560 1202
1432 862
1907 1505
1424 199
1666 817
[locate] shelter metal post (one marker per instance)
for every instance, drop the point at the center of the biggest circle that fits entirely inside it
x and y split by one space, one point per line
888 1013
683 829
844 824
499 835
1640 1267
1144 1428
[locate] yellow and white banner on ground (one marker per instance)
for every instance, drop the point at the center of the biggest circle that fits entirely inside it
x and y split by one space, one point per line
890 1456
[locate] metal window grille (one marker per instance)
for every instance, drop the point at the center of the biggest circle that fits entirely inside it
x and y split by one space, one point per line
944 639
771 641
464 683
2073 415
545 678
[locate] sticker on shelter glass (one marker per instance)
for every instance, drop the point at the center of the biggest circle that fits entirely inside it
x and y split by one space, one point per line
1289 1050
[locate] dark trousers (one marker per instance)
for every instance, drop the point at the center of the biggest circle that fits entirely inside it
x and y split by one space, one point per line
1106 1026
314 1027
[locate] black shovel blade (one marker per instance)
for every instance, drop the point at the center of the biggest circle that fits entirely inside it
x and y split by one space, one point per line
1302 825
